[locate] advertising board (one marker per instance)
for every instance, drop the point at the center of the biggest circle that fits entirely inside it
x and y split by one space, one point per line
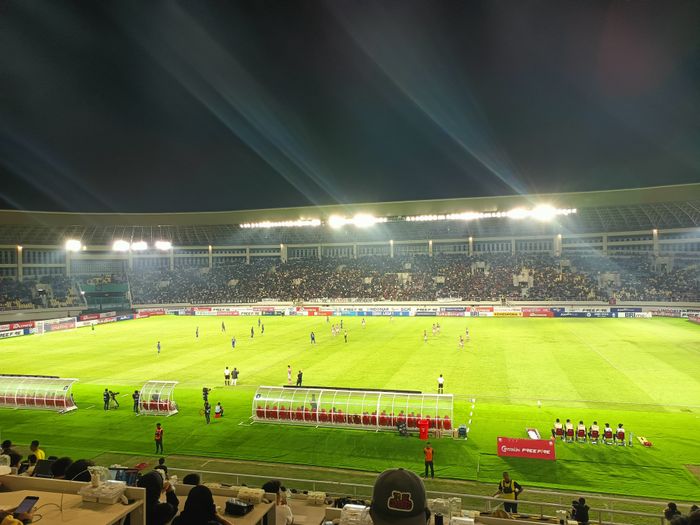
16 326
526 448
537 312
11 333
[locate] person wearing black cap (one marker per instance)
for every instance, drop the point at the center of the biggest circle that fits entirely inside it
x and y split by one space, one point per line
399 498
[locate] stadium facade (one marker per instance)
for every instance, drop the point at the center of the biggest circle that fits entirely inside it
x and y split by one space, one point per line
659 222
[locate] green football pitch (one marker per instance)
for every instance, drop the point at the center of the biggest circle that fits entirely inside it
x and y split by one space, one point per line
521 372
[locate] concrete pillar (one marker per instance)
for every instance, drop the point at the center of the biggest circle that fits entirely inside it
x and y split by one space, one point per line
430 248
283 253
319 251
247 255
68 257
556 245
172 259
471 246
211 256
354 251
391 249
20 272
512 246
605 244
655 239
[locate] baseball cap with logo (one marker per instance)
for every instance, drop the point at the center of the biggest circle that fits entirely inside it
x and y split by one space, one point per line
398 498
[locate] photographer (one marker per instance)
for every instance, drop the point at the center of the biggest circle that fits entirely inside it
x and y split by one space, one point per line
113 397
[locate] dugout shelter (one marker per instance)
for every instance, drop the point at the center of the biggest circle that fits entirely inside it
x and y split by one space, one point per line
37 392
350 408
156 398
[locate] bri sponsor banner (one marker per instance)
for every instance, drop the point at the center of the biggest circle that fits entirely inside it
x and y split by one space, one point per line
426 313
16 326
11 333
694 318
635 315
526 448
229 313
625 309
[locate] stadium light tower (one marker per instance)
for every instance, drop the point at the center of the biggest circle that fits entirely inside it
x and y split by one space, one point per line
336 221
364 220
544 212
517 213
164 245
120 246
139 246
73 245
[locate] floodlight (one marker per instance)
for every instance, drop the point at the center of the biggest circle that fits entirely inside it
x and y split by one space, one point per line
164 245
73 245
545 212
518 213
120 246
335 221
363 220
139 246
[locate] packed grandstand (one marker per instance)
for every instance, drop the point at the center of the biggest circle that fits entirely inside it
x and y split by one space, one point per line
627 245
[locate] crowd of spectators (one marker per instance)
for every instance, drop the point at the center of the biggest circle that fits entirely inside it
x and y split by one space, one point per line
470 278
484 277
56 291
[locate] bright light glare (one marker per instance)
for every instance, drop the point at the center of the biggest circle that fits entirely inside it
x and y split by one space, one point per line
120 246
139 246
543 212
364 220
282 224
164 245
335 221
360 220
518 213
73 245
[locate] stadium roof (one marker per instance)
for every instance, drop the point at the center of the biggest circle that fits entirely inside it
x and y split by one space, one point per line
663 207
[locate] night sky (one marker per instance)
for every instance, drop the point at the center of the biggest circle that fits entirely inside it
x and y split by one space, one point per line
150 106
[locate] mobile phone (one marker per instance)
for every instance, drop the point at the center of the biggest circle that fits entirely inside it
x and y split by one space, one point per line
27 505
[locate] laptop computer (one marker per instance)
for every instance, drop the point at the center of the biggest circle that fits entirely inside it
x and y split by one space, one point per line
43 468
129 476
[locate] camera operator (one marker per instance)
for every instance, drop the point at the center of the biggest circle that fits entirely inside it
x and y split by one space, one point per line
113 397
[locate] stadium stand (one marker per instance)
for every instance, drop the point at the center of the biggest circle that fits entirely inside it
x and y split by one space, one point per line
630 245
